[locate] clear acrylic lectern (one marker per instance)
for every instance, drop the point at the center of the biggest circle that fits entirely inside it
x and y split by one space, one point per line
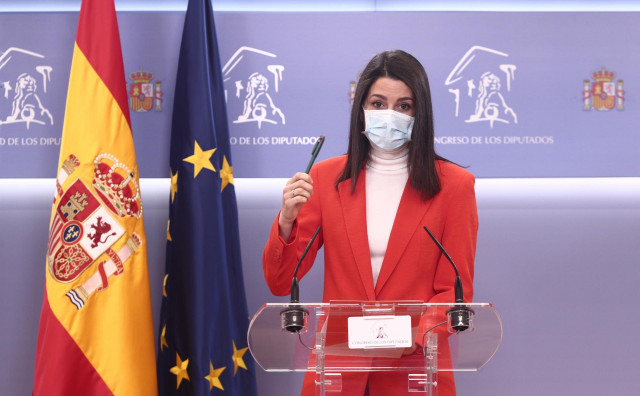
406 337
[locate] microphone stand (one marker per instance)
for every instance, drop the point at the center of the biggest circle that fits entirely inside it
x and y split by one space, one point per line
459 316
294 317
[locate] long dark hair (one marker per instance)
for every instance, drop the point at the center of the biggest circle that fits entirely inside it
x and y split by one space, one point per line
402 66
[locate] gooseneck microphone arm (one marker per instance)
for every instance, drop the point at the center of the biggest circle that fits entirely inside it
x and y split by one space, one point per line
294 317
459 316
458 285
295 288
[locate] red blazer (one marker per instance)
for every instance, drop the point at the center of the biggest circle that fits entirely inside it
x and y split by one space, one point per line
413 267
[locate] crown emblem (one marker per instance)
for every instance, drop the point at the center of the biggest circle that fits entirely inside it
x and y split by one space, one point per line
604 93
116 186
141 76
603 75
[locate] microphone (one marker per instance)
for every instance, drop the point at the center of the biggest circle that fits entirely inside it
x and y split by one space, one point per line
459 316
294 318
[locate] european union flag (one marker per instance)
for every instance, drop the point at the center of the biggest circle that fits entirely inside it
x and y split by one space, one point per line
204 320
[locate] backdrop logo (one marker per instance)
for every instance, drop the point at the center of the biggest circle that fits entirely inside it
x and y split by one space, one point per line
480 83
23 83
256 82
143 92
605 94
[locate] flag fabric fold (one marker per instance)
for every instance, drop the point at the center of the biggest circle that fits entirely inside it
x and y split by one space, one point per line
96 328
202 339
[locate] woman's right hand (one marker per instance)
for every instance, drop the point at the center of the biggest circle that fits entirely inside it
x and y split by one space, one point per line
296 193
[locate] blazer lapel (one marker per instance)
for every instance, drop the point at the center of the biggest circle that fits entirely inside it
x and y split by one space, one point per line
354 211
411 211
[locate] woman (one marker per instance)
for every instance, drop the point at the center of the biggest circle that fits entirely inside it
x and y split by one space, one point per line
373 204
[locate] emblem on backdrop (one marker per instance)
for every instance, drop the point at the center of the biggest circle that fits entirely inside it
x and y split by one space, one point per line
480 84
24 76
144 94
252 83
603 94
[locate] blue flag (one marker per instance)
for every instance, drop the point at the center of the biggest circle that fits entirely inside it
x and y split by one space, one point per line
203 321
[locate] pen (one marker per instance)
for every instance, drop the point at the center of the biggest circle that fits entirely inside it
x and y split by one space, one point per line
314 153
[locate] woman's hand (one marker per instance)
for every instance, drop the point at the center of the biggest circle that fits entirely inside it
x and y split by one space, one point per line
296 193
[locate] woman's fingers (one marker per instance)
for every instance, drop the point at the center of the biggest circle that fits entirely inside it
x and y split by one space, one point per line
296 193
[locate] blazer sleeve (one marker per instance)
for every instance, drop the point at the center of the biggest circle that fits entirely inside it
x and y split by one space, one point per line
279 257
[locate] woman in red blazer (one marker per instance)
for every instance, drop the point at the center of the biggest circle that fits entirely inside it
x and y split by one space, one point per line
375 245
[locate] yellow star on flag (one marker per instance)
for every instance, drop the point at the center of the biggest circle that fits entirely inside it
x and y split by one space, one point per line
163 340
237 358
226 173
214 377
180 370
200 159
164 285
168 233
174 184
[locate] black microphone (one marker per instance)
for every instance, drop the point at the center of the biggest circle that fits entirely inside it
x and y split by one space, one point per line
294 318
459 316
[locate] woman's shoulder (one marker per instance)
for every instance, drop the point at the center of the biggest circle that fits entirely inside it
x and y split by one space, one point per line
451 173
333 165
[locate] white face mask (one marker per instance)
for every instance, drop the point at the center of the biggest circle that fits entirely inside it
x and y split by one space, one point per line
387 129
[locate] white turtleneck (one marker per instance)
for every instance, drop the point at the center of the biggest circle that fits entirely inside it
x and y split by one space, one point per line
386 178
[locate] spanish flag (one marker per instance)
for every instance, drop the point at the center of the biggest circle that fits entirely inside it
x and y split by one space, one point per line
96 331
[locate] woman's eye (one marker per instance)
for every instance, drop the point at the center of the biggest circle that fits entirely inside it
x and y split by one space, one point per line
377 105
404 106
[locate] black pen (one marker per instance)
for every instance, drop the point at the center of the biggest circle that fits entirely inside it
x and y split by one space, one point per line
314 153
